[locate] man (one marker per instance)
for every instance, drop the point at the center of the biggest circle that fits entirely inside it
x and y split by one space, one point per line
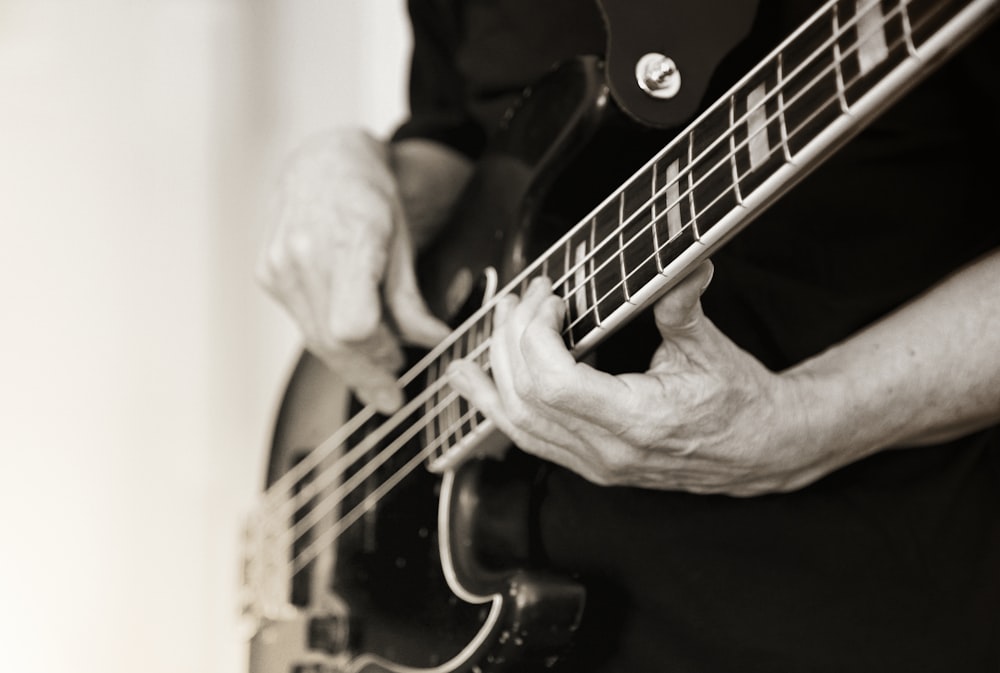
800 472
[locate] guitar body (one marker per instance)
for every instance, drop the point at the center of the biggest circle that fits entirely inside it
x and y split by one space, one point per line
439 575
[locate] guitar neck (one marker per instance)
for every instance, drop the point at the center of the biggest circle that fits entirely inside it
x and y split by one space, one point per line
817 89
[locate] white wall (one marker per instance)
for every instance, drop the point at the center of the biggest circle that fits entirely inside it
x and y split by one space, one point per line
139 363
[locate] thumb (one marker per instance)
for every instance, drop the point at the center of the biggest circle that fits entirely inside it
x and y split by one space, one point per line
414 321
678 313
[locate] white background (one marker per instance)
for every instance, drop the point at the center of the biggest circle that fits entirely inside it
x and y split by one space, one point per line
140 365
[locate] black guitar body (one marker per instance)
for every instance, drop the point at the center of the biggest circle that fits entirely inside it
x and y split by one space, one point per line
440 575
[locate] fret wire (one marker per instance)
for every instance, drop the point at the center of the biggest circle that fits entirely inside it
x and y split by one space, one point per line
593 271
433 427
732 148
564 283
672 194
621 244
652 200
689 169
907 28
447 410
456 407
841 93
781 109
692 221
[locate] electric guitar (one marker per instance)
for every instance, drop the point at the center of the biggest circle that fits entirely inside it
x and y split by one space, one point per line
395 544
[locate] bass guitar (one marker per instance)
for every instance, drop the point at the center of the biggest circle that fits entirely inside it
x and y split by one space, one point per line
398 544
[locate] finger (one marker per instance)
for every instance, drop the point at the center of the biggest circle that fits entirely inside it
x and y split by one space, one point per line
517 320
304 292
679 311
544 370
513 380
286 286
363 352
541 439
367 376
352 272
689 338
281 277
469 381
499 340
406 304
379 390
502 309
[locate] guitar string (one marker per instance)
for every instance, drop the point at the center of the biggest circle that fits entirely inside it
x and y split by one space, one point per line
297 472
483 345
344 490
330 534
453 429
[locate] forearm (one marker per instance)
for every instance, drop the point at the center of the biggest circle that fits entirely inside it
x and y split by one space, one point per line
926 373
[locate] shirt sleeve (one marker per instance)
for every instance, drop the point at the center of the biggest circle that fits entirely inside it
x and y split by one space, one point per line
437 89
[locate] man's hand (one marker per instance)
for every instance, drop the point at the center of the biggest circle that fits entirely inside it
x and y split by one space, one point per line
707 417
341 260
704 418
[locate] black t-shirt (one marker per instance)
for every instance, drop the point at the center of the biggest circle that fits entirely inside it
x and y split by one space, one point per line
889 564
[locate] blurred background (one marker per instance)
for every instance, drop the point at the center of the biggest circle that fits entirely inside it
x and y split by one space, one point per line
140 365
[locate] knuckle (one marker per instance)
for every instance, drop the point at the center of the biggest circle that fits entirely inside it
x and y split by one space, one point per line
520 415
614 464
361 329
600 479
300 246
549 389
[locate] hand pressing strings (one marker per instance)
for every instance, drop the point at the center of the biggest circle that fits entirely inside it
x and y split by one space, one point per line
706 417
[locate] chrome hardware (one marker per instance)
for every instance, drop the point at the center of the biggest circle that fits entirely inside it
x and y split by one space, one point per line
658 76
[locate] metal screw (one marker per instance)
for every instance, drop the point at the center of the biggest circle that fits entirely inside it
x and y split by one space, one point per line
658 75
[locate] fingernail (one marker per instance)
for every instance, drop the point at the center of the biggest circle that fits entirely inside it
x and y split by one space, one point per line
711 275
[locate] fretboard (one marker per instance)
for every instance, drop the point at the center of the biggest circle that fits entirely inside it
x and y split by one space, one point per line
849 61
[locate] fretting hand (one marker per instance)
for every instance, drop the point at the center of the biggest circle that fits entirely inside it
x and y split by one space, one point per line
706 416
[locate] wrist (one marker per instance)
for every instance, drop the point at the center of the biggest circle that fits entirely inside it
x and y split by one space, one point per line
835 416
